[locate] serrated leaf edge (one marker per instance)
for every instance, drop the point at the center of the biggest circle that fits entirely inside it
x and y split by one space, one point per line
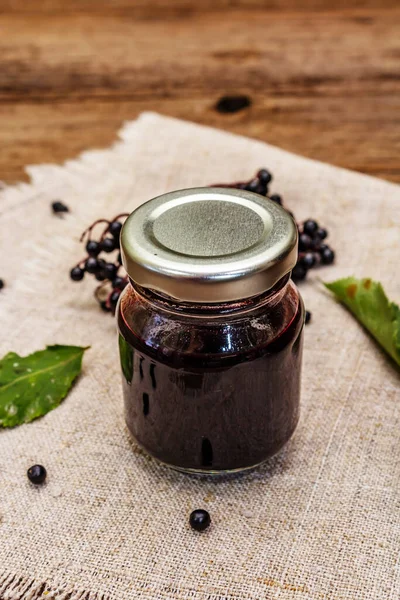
392 306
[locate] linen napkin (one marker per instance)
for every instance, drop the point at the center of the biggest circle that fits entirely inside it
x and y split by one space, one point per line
318 521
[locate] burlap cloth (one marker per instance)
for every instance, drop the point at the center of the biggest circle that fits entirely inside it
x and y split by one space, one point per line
319 521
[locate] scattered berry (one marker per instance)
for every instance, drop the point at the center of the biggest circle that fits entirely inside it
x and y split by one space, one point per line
307 317
2 284
77 274
59 207
93 248
37 474
199 519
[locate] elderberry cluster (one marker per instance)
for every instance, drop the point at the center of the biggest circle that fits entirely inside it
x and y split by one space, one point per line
313 250
106 272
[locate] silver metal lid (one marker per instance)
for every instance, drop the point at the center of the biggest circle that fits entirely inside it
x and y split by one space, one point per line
209 244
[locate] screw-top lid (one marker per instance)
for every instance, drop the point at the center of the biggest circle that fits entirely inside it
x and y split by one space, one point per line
209 244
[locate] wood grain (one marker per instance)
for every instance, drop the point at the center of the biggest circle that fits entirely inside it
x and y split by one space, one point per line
324 83
156 9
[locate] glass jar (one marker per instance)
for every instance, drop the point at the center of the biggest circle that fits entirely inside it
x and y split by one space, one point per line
210 329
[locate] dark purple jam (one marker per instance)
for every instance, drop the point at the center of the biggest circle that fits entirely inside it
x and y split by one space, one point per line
213 390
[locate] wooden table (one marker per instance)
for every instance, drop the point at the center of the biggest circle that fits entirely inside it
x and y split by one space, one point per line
322 77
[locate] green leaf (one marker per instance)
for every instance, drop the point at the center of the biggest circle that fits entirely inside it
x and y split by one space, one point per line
367 300
31 386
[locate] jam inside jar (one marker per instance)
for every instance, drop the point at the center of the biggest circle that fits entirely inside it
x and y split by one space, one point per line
210 386
214 389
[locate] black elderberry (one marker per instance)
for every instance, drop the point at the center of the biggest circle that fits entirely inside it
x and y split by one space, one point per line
114 298
317 258
276 198
307 317
264 176
321 233
115 228
103 306
119 258
110 271
199 519
77 274
59 207
92 265
1 284
316 244
252 186
310 226
119 283
307 261
37 474
327 256
299 272
93 248
262 189
108 244
304 242
99 274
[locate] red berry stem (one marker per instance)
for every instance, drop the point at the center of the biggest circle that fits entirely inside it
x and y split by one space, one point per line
81 262
91 227
107 229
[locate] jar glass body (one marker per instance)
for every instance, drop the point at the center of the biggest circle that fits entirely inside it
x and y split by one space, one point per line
211 388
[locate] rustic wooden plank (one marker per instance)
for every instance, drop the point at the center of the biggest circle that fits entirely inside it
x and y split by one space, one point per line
77 54
323 84
53 132
160 8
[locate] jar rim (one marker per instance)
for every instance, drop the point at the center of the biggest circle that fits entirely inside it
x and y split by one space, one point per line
217 309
